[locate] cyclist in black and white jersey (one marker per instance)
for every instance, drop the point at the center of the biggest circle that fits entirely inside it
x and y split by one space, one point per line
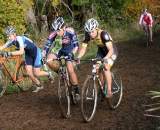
106 49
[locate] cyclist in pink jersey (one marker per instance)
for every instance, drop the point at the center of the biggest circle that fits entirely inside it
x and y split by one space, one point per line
146 23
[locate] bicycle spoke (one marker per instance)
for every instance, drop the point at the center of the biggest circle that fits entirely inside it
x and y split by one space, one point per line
64 99
89 99
117 91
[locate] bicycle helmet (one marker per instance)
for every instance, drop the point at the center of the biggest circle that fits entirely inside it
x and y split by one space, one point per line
10 30
58 23
145 11
90 25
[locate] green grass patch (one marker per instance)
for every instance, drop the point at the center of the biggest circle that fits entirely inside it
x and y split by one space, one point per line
12 89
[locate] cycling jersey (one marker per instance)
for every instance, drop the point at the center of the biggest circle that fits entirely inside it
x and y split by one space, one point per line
69 41
57 46
32 52
146 19
101 40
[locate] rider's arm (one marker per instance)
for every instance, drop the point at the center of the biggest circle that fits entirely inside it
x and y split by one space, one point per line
109 45
140 20
75 43
151 19
107 39
21 47
49 43
83 48
6 45
74 39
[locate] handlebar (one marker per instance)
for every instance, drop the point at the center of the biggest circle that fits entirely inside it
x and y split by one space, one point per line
94 60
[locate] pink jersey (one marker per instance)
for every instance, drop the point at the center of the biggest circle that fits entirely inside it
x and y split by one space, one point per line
146 19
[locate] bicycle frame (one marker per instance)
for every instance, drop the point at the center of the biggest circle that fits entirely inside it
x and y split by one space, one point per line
147 35
62 71
95 74
90 93
3 63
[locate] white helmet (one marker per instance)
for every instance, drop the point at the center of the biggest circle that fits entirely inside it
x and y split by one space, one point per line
58 23
90 25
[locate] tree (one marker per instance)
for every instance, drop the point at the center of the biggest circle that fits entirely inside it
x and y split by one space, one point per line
11 13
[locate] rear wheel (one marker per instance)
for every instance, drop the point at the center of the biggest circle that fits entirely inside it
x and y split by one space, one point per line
23 80
64 96
117 91
147 36
89 99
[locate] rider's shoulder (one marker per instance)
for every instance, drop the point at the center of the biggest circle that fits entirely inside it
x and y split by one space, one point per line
19 37
149 14
106 36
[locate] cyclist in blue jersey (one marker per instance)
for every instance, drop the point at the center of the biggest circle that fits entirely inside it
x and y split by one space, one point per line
32 53
69 48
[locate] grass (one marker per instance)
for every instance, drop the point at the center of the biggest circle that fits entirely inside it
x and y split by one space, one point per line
155 106
12 89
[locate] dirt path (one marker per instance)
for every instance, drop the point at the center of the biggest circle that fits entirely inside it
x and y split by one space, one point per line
140 71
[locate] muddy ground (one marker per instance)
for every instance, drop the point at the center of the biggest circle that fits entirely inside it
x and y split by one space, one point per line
140 70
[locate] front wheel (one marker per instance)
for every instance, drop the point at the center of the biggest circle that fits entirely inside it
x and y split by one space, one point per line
4 82
64 96
89 99
117 91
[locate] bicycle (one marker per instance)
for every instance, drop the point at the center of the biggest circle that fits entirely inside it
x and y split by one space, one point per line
16 76
156 26
90 94
147 33
66 94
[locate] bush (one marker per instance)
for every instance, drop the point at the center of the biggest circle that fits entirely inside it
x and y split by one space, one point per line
11 14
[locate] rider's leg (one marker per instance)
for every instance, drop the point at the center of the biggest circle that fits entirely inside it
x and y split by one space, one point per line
72 73
73 78
100 74
150 34
29 70
108 78
38 72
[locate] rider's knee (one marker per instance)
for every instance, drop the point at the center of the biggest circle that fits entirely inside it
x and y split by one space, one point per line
36 74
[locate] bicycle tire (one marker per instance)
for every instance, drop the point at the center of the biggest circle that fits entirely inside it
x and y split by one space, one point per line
117 91
156 29
64 96
4 82
147 37
24 82
89 99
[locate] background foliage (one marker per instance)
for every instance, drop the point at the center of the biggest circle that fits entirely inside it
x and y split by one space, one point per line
11 13
34 17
